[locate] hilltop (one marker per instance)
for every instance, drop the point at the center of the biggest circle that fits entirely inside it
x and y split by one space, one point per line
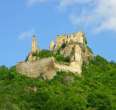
67 53
68 76
95 90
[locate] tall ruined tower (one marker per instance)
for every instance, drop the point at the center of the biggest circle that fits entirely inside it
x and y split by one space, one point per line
34 44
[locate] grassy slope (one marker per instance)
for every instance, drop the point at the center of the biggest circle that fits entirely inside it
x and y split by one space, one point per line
95 90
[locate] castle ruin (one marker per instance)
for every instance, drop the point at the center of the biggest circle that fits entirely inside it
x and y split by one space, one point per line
73 38
34 50
72 46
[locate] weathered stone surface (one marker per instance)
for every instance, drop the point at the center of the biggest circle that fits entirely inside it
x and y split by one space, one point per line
44 68
69 38
73 46
74 68
67 51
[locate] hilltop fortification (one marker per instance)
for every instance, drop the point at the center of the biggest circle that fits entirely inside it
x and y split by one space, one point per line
71 48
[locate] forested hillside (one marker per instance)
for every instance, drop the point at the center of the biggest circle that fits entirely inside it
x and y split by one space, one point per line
95 90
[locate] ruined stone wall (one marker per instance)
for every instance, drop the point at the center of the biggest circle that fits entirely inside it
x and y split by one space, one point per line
44 68
75 48
68 38
60 40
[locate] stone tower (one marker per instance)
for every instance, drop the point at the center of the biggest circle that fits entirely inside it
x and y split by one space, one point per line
34 44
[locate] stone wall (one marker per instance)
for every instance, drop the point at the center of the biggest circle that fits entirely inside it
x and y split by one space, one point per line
44 68
74 67
73 46
68 38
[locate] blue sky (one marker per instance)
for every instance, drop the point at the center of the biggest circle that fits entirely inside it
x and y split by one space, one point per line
20 19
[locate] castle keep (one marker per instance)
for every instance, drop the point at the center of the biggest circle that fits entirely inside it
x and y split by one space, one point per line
73 46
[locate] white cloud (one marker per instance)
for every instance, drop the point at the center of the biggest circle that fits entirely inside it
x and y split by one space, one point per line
101 14
26 34
106 10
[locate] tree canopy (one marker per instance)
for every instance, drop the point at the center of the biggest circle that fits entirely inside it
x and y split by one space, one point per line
95 90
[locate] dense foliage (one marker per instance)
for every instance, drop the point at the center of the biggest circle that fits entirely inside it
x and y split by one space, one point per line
95 90
58 57
44 54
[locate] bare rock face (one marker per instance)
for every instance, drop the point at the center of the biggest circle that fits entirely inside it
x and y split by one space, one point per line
44 68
